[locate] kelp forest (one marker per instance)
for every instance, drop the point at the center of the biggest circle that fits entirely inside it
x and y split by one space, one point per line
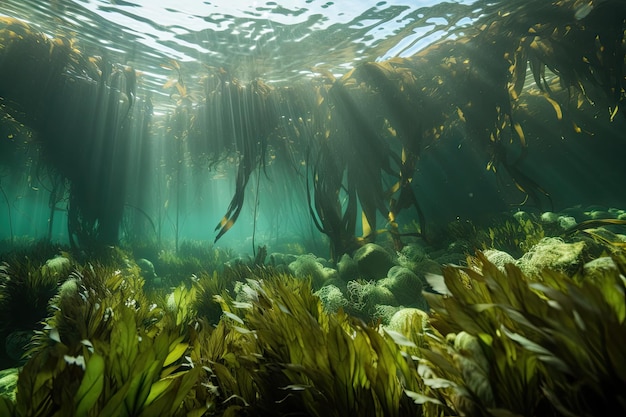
355 140
373 305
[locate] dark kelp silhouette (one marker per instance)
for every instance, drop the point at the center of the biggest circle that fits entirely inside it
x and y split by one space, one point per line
80 107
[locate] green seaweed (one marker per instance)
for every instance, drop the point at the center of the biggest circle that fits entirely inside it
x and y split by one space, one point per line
106 351
546 341
497 343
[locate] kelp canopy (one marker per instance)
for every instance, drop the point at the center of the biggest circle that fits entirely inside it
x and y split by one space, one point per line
355 140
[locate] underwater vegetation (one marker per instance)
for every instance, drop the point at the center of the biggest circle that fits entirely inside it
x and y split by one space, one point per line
28 279
354 141
278 353
192 257
80 107
361 168
547 346
532 325
253 340
514 234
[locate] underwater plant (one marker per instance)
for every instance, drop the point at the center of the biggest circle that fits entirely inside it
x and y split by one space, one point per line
28 280
315 363
80 107
500 342
106 351
497 342
525 346
355 141
360 168
209 289
192 258
514 234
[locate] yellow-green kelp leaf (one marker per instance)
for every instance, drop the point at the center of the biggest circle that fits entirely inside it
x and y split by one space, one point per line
157 389
115 405
91 385
7 407
140 386
167 395
175 353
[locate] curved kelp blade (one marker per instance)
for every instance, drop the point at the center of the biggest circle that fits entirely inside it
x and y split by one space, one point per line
588 224
91 386
236 204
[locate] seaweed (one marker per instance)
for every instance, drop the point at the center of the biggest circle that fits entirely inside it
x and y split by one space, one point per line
27 282
542 344
497 342
106 351
356 138
80 108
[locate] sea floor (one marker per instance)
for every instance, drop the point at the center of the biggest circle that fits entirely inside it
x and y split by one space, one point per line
382 286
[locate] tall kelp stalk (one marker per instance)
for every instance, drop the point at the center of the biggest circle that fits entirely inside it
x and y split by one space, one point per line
357 157
81 108
246 116
175 156
99 132
380 116
138 225
8 204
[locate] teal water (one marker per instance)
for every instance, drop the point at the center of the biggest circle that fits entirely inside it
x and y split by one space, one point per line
149 167
278 42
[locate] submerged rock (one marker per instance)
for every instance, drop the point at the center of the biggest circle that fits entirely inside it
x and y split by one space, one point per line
411 254
565 222
373 261
310 266
408 320
347 268
383 313
149 273
147 268
549 217
404 285
600 214
521 216
596 269
364 296
57 267
277 259
473 364
499 258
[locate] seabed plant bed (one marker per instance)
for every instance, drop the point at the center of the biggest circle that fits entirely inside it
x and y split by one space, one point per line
539 335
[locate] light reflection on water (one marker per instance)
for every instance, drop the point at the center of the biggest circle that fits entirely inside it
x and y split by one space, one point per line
265 39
